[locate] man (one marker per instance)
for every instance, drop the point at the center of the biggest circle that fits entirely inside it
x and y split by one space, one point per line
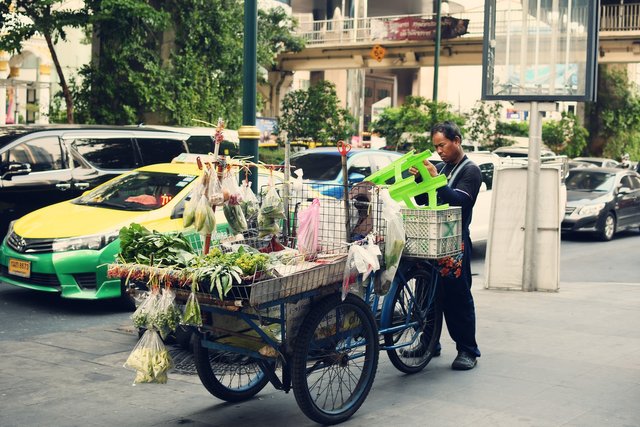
464 180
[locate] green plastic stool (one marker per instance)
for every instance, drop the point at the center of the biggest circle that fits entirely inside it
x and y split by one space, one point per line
404 189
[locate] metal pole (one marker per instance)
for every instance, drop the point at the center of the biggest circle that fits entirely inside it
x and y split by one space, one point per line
529 278
436 57
248 132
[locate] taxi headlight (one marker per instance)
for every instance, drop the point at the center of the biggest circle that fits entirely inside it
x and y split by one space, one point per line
590 210
94 242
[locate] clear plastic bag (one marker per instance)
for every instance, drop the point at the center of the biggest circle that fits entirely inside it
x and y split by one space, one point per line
192 314
215 192
271 212
232 209
205 217
249 203
189 215
141 317
166 316
150 359
361 260
308 222
394 242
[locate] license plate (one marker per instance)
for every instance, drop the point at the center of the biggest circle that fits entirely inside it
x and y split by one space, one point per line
20 268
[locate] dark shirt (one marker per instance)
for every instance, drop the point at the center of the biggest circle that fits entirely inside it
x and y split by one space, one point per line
463 191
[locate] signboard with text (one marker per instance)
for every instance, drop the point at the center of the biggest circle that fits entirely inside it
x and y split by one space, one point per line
411 28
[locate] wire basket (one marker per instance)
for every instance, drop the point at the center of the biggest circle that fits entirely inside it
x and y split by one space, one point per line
432 234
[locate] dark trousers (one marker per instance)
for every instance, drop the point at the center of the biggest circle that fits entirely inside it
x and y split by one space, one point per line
458 306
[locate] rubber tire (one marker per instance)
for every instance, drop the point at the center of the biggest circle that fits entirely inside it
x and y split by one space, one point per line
432 303
213 384
303 344
608 228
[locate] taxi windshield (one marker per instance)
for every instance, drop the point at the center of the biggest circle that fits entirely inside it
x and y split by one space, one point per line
137 191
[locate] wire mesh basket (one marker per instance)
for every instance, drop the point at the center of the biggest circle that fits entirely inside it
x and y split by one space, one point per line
432 234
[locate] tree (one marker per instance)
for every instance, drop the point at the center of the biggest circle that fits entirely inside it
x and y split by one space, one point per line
315 115
482 123
565 136
172 61
46 17
613 121
416 118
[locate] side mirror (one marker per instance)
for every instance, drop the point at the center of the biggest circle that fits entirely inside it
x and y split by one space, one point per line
355 177
15 169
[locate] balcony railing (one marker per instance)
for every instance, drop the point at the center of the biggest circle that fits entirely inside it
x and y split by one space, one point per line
352 31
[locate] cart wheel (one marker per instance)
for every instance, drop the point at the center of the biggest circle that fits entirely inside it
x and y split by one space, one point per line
335 359
415 300
228 376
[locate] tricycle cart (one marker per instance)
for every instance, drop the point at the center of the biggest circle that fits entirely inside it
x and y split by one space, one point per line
296 327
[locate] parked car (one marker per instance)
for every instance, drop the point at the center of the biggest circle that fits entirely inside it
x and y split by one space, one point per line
602 200
42 165
520 152
201 139
65 248
322 167
600 162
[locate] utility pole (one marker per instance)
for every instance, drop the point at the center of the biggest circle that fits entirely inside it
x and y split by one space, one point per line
436 58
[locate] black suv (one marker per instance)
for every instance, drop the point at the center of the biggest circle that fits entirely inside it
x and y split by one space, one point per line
43 165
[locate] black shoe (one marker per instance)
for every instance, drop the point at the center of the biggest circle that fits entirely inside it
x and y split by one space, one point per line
464 361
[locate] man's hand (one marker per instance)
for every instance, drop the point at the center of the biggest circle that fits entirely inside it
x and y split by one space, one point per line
430 167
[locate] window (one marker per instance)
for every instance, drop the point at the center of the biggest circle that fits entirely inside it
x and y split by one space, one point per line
113 153
43 154
361 165
380 161
625 181
635 182
159 150
487 174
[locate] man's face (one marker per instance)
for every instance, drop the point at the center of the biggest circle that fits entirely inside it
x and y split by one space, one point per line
447 149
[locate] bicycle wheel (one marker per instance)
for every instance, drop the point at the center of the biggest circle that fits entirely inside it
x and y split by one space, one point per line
226 375
335 358
415 299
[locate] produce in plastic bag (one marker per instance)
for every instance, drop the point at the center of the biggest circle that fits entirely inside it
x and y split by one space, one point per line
362 259
205 217
142 316
232 209
271 212
249 203
192 314
166 316
189 215
308 221
394 242
150 359
216 195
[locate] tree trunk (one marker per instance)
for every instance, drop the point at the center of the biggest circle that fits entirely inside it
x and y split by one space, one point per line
63 83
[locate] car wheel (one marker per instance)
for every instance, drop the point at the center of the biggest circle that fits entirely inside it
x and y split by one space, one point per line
608 228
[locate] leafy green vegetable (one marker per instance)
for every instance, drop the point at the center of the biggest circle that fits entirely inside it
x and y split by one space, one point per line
141 246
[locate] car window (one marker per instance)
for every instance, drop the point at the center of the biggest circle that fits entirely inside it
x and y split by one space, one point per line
379 161
159 150
359 164
635 182
487 174
112 153
625 181
318 166
43 154
138 191
583 180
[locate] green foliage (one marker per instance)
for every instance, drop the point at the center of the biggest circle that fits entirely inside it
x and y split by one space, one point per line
565 136
614 120
315 115
416 116
481 125
173 61
512 128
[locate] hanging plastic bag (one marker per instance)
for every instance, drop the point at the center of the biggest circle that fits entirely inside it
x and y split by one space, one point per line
141 317
271 212
249 203
192 314
394 242
189 215
297 184
361 260
166 316
308 222
232 209
205 217
216 195
150 359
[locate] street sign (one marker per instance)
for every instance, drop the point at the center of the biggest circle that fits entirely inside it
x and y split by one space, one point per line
378 52
540 50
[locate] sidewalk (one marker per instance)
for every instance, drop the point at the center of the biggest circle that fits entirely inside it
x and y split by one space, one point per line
548 359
